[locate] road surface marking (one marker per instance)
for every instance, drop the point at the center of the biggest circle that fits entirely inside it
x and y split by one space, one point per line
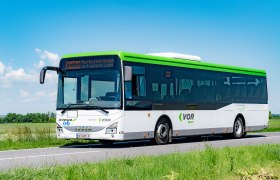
29 149
47 155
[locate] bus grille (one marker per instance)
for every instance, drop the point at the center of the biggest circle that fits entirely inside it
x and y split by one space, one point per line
84 128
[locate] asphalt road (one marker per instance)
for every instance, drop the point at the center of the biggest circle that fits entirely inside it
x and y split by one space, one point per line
41 157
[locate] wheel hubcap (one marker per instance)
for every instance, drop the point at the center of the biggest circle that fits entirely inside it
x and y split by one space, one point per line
162 131
238 127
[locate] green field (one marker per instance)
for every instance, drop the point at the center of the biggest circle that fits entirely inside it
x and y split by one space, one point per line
32 135
5 128
273 126
251 162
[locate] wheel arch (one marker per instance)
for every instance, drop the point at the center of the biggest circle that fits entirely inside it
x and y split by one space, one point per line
168 120
243 119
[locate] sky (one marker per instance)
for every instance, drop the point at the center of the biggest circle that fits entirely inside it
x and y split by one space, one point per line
36 33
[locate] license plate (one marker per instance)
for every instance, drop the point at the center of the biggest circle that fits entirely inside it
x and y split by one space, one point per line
83 136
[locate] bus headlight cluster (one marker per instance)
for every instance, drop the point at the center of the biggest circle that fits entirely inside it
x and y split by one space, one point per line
59 128
112 129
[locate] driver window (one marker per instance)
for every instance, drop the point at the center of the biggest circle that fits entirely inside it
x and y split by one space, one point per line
70 90
84 88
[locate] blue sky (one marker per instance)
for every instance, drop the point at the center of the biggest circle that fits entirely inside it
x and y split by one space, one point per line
36 33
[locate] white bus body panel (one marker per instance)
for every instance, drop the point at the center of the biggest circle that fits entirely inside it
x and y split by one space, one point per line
90 123
141 124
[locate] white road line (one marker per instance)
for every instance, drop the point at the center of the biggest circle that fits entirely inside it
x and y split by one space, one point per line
29 149
47 155
273 137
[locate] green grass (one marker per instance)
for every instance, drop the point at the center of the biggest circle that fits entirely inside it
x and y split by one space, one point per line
255 162
24 136
273 126
5 128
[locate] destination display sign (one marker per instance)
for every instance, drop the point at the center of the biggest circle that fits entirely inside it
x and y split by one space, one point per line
89 64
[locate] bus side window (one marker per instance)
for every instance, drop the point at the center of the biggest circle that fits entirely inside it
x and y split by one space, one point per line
128 90
134 86
156 93
138 81
223 88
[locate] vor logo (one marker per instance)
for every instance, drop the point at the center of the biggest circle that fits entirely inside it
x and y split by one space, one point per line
187 116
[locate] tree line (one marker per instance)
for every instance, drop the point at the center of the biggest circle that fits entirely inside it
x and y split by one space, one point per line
28 118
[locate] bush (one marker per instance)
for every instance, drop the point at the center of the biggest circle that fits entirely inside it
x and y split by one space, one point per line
28 118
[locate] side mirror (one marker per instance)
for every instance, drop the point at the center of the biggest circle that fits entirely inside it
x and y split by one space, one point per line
42 75
44 70
127 73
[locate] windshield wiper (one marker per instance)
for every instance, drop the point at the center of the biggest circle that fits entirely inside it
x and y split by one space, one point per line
62 112
86 106
97 107
107 112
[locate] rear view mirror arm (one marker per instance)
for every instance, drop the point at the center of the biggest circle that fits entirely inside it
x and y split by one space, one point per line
45 69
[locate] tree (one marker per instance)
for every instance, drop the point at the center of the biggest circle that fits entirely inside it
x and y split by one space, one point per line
270 115
28 118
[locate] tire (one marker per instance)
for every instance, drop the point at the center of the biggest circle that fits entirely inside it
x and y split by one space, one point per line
106 142
244 134
162 132
238 128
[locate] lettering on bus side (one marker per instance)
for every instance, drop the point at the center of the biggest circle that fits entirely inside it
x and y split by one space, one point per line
189 117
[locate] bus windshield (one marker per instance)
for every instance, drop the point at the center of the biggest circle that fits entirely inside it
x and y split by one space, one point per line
93 88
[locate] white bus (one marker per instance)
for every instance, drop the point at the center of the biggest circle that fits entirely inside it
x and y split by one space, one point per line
119 96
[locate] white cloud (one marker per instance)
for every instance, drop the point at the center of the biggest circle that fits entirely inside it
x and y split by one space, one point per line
53 95
46 55
32 96
15 74
2 68
12 75
40 94
20 88
23 93
40 64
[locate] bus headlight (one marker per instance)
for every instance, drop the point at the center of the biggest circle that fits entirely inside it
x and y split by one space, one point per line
59 128
112 129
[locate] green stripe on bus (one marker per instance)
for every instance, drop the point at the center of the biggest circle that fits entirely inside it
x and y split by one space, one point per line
150 59
194 66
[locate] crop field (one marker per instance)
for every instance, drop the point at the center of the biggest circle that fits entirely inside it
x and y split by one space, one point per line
32 135
6 128
250 162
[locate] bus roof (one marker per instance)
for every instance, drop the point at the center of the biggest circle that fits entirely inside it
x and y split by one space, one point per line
151 59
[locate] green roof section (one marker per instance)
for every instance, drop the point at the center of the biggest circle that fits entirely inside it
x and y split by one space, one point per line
151 59
87 54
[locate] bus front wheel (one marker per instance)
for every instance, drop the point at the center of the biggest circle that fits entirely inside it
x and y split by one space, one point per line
162 132
238 128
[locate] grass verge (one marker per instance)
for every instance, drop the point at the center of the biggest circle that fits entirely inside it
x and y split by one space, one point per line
273 126
251 162
8 127
24 137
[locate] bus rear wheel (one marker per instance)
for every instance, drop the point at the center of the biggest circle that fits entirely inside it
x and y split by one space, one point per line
238 128
162 132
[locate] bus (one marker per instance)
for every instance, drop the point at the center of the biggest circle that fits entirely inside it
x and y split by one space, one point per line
119 96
